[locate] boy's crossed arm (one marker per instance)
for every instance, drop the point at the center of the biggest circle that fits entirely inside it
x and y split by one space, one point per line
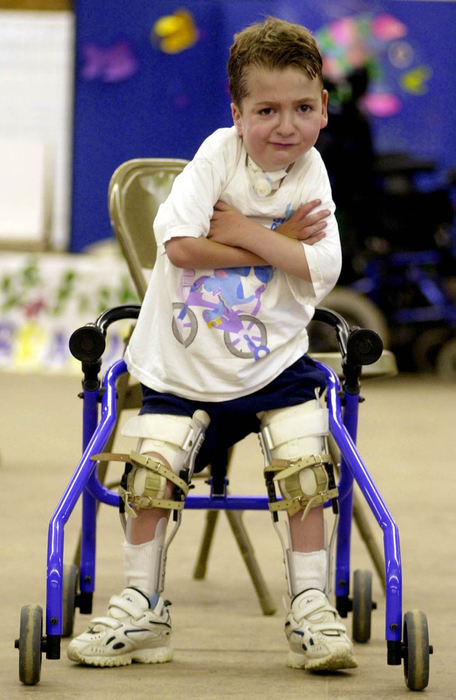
235 240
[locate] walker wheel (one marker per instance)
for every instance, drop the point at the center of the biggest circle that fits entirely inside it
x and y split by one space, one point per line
416 650
30 644
362 606
69 592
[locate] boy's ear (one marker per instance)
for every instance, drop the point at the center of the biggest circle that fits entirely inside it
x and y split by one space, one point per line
237 118
324 109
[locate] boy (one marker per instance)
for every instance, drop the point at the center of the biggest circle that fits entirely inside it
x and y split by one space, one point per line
242 263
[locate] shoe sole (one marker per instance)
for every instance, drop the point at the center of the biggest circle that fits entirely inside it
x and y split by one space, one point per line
160 655
334 662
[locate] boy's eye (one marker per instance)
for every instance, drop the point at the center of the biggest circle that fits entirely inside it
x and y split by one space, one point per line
265 111
304 108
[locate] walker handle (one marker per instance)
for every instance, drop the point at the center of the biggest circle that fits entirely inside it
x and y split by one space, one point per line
88 343
358 346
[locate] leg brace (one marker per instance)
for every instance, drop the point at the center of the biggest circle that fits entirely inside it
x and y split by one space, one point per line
144 482
176 441
292 439
293 444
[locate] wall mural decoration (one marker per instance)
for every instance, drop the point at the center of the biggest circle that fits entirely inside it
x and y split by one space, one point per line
151 80
175 33
110 64
44 298
372 40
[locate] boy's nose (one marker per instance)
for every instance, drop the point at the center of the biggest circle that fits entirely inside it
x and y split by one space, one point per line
286 124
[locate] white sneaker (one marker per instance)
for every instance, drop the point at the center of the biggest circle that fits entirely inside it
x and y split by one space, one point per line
131 631
317 638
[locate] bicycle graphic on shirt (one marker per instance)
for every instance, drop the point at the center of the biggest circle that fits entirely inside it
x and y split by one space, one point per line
244 335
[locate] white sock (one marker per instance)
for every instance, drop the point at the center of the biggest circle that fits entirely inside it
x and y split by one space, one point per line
141 562
310 571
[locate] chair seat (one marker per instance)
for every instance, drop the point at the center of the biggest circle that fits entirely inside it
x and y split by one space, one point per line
384 367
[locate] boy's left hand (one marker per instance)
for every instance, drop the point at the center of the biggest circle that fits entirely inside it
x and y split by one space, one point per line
228 225
306 224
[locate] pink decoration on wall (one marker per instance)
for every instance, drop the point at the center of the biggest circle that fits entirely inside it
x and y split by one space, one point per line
387 28
382 104
110 64
343 31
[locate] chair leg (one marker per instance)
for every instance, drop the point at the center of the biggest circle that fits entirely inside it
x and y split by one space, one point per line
367 536
199 572
248 554
363 524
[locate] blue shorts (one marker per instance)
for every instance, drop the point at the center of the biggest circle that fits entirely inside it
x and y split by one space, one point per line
233 420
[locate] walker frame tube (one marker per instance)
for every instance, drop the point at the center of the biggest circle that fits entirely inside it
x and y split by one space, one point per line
84 480
351 458
345 500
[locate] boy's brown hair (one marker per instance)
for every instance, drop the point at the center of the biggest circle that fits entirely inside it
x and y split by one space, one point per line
273 44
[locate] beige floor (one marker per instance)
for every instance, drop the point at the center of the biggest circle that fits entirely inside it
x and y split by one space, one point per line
224 646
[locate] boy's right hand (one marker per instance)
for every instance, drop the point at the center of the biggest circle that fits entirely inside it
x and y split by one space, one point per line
305 226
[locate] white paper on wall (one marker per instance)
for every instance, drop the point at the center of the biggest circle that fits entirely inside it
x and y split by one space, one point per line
36 89
22 190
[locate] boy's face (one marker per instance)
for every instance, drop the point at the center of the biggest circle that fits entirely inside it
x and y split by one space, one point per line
281 116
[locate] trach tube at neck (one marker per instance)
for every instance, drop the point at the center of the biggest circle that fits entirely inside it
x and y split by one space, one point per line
264 183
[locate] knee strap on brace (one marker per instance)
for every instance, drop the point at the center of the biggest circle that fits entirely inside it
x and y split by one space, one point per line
177 439
293 441
144 482
304 483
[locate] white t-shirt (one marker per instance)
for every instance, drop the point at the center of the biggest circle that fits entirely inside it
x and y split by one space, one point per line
215 335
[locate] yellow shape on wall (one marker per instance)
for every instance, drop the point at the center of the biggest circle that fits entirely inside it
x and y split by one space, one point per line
176 32
415 80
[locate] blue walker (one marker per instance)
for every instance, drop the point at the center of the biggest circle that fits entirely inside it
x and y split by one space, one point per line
68 589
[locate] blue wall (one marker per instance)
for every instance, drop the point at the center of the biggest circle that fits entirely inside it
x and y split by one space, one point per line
132 99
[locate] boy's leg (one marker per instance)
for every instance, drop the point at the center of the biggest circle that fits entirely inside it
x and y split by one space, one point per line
144 541
137 626
294 437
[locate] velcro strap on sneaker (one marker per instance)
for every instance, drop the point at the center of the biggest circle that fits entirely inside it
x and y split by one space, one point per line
105 622
125 606
327 627
316 605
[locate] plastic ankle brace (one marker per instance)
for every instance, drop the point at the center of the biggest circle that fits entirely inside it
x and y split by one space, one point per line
308 570
143 562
